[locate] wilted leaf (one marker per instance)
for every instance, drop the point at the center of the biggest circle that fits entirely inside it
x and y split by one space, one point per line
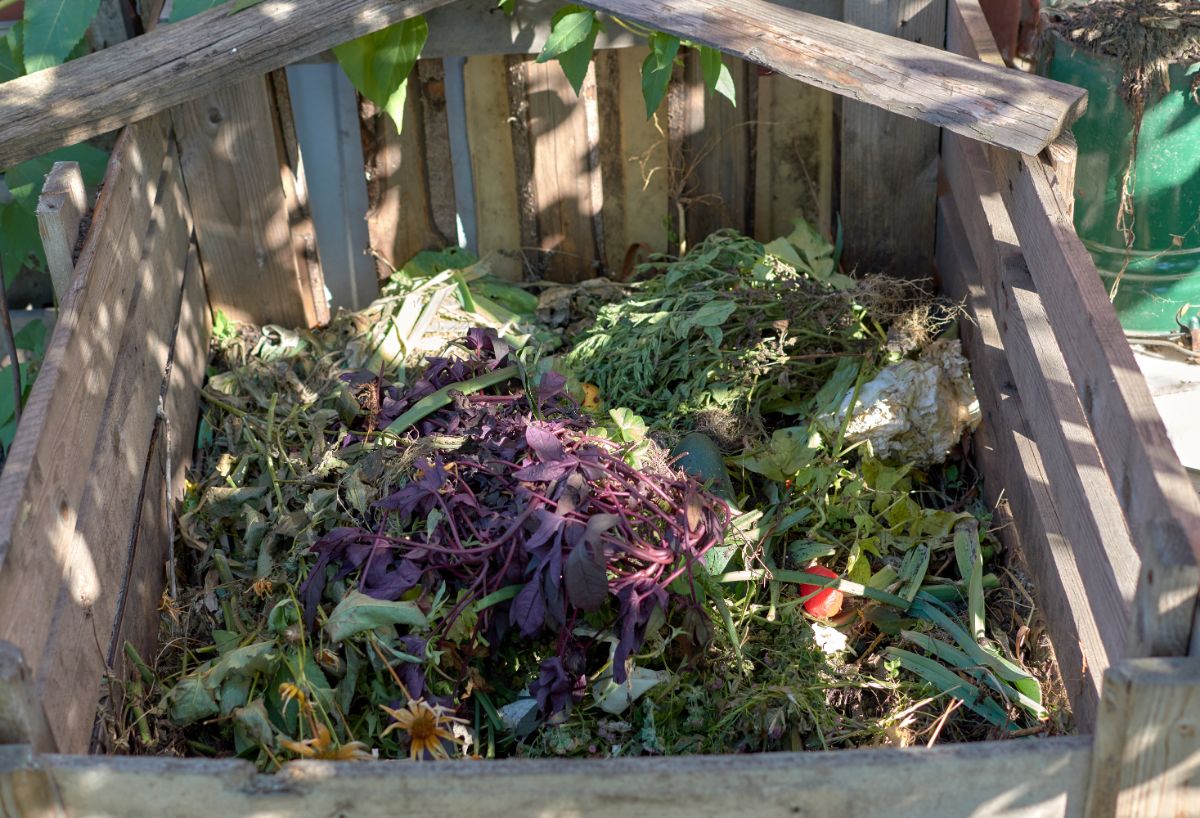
616 698
358 612
190 701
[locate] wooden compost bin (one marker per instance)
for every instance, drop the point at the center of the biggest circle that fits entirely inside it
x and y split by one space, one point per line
193 214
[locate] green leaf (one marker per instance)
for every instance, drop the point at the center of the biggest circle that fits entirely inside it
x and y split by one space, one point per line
20 244
32 338
951 684
379 64
183 9
570 26
789 451
575 61
970 567
656 69
256 658
440 398
717 76
358 612
509 7
190 701
10 57
53 28
631 428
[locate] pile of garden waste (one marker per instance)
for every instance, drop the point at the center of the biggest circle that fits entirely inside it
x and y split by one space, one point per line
722 508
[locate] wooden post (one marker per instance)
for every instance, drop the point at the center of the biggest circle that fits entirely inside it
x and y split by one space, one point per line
1063 156
889 201
231 167
1145 757
22 720
60 209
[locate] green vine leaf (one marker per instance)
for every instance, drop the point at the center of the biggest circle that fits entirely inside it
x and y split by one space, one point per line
575 61
379 64
10 55
570 27
53 28
509 7
717 76
656 69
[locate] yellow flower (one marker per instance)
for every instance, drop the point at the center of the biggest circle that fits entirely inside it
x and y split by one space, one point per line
321 746
426 725
289 691
261 587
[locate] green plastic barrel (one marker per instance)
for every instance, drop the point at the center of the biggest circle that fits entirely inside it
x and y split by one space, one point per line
1163 273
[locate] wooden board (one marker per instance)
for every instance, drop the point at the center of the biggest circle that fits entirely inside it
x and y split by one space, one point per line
60 207
794 156
1087 502
43 482
85 610
400 219
1015 480
1020 779
633 159
889 190
132 80
1147 741
489 134
561 173
439 166
22 718
231 167
998 106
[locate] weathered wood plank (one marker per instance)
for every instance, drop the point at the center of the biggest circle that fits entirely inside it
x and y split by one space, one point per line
86 604
1038 778
22 718
439 165
1015 480
43 483
558 132
889 192
295 194
61 206
497 209
794 157
231 170
1147 741
1063 156
132 80
1154 490
1087 502
633 160
998 106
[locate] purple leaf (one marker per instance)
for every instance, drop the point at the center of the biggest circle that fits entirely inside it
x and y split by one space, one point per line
586 575
529 608
544 442
545 472
556 690
551 385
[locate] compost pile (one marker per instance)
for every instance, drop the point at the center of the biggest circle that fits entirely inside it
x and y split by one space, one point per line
725 512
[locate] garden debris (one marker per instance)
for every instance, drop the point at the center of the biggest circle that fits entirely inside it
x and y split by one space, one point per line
457 558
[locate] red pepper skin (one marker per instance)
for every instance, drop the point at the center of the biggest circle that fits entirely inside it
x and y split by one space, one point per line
826 602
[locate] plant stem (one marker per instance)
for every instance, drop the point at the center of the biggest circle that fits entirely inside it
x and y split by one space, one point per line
9 338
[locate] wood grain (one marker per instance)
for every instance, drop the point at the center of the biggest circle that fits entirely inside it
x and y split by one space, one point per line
1088 506
793 158
60 207
173 64
231 169
1147 741
497 208
888 196
43 482
439 166
1033 778
22 718
558 133
1015 481
86 604
998 106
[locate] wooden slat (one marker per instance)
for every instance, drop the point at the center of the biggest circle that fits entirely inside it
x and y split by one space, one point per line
61 206
1154 490
144 572
497 208
999 106
43 481
439 165
633 158
85 609
1019 779
793 157
399 216
558 133
1016 483
103 91
1087 502
469 28
1147 741
1063 155
231 170
889 190
718 152
22 718
295 194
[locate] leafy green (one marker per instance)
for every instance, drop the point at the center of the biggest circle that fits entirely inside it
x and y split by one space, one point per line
717 76
358 612
656 69
378 64
572 38
52 29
